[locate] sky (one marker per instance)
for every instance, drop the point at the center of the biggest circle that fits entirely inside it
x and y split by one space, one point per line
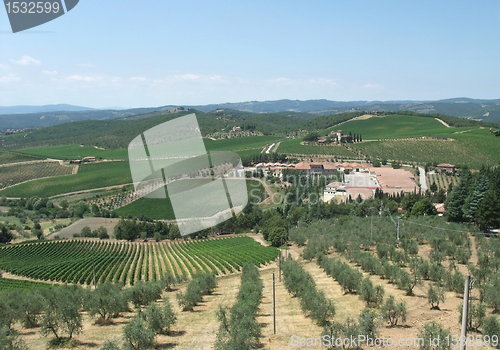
121 53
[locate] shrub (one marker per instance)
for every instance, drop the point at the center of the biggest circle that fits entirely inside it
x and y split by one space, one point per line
10 341
393 312
373 296
475 316
106 301
160 319
433 331
110 345
142 294
435 295
62 312
491 327
202 284
137 335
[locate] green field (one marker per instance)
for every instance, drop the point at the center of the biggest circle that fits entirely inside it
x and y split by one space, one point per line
78 152
75 152
239 143
93 175
395 126
249 152
162 209
293 146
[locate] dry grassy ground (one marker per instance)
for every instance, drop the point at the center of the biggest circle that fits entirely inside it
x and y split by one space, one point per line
197 329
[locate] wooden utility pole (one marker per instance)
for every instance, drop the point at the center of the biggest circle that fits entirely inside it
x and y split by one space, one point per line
274 306
279 265
465 312
398 231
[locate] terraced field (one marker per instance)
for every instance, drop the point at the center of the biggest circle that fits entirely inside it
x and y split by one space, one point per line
73 261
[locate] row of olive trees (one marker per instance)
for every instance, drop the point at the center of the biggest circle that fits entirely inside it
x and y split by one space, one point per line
201 284
57 311
301 284
348 277
239 328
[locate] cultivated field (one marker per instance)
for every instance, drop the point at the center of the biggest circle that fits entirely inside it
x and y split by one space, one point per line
7 157
454 152
442 181
293 146
91 175
400 138
12 174
70 152
78 152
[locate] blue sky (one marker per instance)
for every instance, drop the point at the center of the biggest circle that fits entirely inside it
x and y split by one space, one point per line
151 53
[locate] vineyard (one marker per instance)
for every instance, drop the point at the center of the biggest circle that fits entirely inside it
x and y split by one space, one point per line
442 181
10 284
124 262
294 146
7 157
16 173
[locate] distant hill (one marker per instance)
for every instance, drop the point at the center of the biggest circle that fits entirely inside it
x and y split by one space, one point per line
42 109
117 133
462 107
44 119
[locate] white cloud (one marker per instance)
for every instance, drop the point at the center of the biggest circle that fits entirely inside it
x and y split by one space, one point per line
323 81
372 86
9 78
85 65
27 61
280 80
138 79
116 79
80 78
48 72
187 77
4 66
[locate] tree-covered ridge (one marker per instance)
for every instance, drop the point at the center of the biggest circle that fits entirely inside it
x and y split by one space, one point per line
117 133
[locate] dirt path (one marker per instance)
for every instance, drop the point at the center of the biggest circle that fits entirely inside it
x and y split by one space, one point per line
443 122
198 329
290 319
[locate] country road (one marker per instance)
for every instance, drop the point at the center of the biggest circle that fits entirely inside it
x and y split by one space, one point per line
423 182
